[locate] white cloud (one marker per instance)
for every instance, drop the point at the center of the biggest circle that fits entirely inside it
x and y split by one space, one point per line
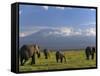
59 31
27 33
56 32
20 12
57 7
65 31
92 9
69 31
62 8
24 34
45 7
90 32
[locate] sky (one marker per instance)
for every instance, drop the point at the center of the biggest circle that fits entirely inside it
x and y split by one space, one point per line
57 27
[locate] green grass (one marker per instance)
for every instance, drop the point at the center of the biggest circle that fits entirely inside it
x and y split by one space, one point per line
75 59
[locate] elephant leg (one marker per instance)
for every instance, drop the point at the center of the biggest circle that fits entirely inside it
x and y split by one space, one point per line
57 59
25 61
45 56
61 59
92 56
21 60
64 58
87 56
33 59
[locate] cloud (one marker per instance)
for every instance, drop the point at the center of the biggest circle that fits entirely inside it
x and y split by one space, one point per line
20 12
24 34
90 32
69 31
57 7
61 8
27 33
45 7
65 31
59 31
92 9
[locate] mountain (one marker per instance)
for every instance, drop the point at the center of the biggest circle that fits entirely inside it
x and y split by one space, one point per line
46 39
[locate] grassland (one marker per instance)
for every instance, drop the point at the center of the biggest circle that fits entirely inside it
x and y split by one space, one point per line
75 59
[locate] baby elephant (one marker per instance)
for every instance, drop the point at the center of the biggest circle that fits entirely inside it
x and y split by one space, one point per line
60 56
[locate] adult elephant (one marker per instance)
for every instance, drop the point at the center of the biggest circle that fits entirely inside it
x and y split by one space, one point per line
92 52
89 51
29 51
46 53
60 56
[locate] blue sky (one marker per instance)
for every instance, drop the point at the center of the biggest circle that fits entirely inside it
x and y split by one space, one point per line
61 22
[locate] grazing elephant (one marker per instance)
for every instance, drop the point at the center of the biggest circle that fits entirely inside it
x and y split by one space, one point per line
60 56
46 53
92 52
29 51
89 51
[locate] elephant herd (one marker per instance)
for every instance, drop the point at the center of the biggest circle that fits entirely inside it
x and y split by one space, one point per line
29 51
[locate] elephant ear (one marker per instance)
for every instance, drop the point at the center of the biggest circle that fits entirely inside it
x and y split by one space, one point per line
23 47
35 46
38 47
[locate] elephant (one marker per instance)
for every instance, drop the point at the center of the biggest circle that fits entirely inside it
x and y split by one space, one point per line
89 51
29 51
46 53
92 53
60 56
